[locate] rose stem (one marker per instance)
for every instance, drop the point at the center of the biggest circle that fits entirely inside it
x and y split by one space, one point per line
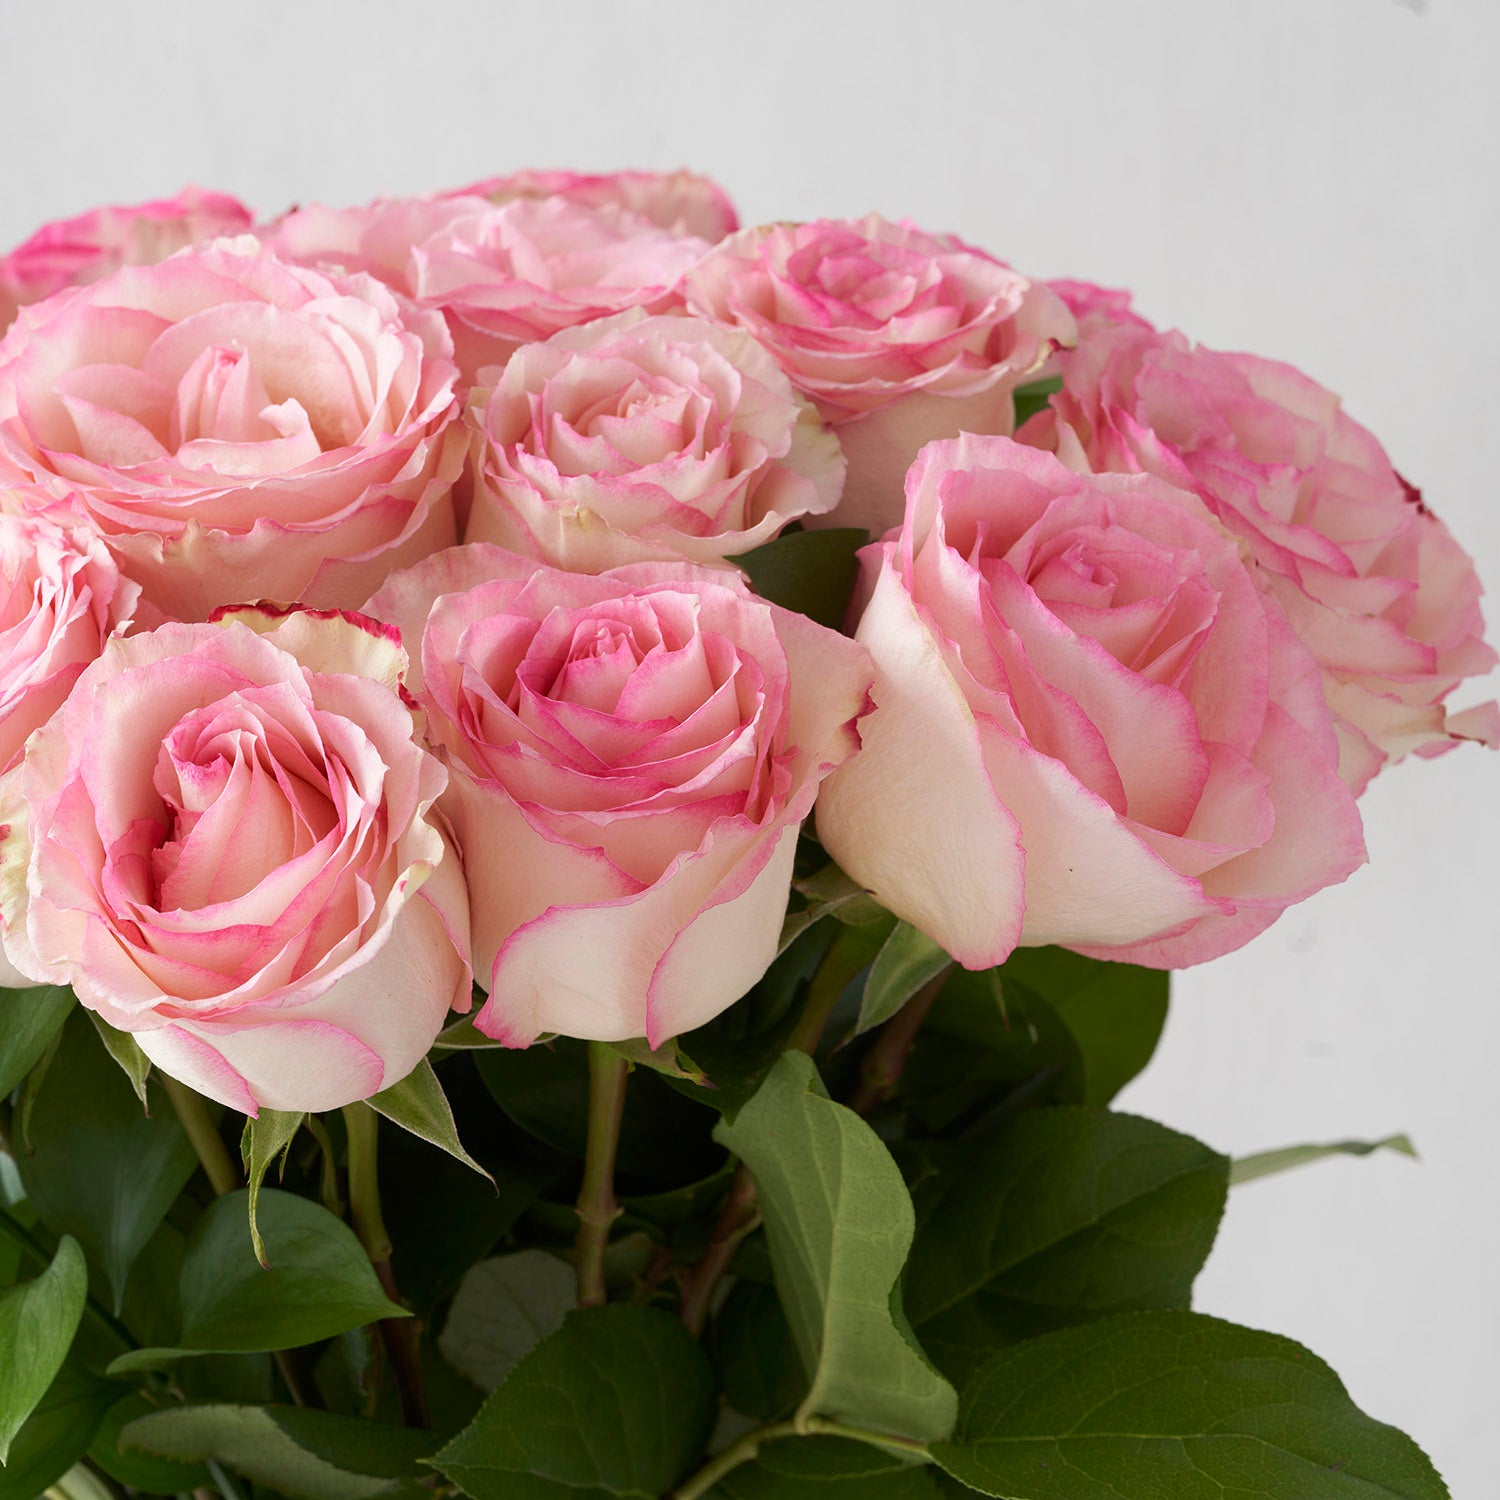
882 1067
213 1155
739 1452
748 1446
399 1335
740 1215
207 1143
846 956
597 1208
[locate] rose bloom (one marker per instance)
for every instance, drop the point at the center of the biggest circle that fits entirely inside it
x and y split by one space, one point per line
631 756
1095 308
683 202
646 437
228 849
61 598
1371 581
235 428
897 335
1092 728
502 276
76 252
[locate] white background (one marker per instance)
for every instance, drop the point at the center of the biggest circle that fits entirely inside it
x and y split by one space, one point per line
1310 179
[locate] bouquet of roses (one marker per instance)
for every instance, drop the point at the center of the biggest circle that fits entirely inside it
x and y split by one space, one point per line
595 807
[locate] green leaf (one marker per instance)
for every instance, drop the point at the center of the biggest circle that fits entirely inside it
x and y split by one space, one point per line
321 1282
1033 397
1114 1011
545 1090
812 572
126 1051
79 1483
99 1169
618 1402
839 1223
668 1058
265 1138
464 1036
31 1019
829 892
306 1455
142 1471
739 1047
57 1433
827 1468
437 1190
37 1322
503 1308
756 1358
662 1215
418 1104
1057 1216
985 1047
1268 1163
1154 1404
907 961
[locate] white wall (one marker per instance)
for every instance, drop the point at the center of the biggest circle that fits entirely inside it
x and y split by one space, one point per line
1312 179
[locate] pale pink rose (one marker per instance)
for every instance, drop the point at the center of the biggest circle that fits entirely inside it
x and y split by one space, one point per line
235 428
76 252
643 437
1371 581
502 276
631 755
683 202
1095 308
897 335
1092 728
61 598
229 850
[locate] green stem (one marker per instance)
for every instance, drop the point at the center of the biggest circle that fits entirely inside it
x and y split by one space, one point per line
363 1127
329 1180
207 1143
597 1208
748 1447
884 1063
399 1335
742 1451
226 1486
846 956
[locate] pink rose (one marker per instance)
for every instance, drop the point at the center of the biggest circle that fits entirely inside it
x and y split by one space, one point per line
631 755
229 851
638 437
62 599
76 252
683 202
1371 581
235 428
899 336
1091 729
503 276
1096 308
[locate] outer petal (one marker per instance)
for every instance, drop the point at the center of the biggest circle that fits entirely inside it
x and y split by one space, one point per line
1087 875
883 444
915 817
